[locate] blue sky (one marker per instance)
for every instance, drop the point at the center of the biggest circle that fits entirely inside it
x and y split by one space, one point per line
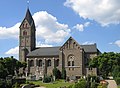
87 21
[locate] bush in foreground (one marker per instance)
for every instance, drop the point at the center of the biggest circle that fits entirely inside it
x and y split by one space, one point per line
117 80
47 79
81 84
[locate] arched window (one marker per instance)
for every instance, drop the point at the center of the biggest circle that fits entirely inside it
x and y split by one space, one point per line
24 32
71 60
57 62
40 63
68 63
23 25
31 63
72 63
26 26
49 63
74 45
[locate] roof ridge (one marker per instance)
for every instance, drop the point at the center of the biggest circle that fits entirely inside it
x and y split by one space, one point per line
49 47
88 44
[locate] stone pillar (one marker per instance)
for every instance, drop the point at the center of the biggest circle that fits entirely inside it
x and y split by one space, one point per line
61 60
28 67
44 67
53 62
37 73
35 62
35 69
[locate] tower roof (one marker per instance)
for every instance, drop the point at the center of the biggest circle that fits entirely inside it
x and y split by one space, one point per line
28 17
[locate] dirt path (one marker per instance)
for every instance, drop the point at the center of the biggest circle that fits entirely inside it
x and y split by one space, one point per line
111 84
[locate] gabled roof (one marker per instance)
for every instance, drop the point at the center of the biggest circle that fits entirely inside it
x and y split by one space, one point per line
45 51
69 40
89 48
54 51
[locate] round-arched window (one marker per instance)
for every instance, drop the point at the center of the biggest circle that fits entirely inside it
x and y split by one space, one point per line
24 32
49 63
71 59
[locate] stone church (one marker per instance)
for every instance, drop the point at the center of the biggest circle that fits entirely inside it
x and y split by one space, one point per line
42 60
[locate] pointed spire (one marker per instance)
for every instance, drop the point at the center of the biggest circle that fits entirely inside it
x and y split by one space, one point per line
28 16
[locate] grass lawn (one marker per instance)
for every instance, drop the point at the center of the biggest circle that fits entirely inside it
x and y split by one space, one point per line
118 86
55 84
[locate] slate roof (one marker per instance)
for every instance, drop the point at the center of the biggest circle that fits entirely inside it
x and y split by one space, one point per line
45 51
54 51
28 17
89 48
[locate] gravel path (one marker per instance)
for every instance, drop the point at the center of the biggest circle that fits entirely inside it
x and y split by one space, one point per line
111 84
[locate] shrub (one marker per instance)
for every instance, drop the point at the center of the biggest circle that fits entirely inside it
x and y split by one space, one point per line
81 84
47 79
102 86
8 84
77 85
93 85
56 73
70 86
117 80
5 84
16 85
2 83
27 82
118 75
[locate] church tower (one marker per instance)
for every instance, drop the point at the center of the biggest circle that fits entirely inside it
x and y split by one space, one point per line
27 39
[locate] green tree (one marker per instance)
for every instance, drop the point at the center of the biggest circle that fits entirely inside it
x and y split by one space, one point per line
106 63
56 73
116 71
3 71
9 65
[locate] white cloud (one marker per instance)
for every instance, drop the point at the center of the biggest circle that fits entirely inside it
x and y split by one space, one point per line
11 32
81 27
115 43
110 43
88 43
86 24
49 29
40 44
104 12
13 51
